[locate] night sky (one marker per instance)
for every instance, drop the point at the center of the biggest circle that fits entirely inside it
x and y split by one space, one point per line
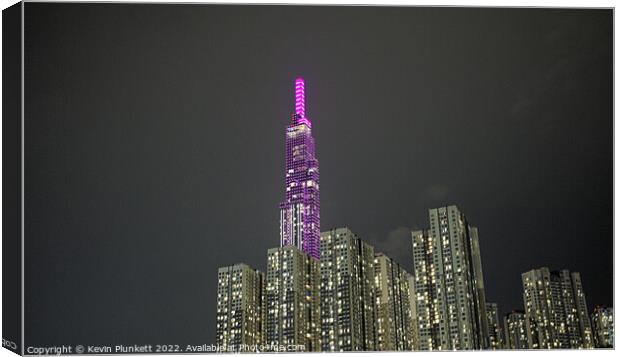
155 148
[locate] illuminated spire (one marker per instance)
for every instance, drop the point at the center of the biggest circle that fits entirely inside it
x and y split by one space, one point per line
300 97
300 103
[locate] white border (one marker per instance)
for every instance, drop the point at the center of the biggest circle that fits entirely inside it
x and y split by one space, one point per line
483 3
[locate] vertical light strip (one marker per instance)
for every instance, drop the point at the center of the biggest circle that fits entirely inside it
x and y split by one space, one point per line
300 100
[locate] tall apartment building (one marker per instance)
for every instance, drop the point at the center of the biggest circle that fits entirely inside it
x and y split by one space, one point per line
292 299
555 308
347 292
240 307
413 314
585 327
603 327
449 283
496 340
425 288
392 323
515 331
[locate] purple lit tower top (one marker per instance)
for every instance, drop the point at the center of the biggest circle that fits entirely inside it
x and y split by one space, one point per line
300 211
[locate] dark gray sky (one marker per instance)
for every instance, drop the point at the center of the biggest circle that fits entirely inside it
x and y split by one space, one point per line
155 148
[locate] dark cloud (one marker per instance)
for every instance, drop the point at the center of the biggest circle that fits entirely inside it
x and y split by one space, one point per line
396 246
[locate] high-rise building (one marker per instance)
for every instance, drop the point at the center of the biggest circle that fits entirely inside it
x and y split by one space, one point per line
240 307
583 318
347 292
603 327
426 285
515 331
413 314
292 299
300 210
392 322
496 340
449 283
555 310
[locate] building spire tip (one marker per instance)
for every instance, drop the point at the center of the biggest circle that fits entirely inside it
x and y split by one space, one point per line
300 97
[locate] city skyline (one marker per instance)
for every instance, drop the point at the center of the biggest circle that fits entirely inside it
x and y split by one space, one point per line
506 113
340 294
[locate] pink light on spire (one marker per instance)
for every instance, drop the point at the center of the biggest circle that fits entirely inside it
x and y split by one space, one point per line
300 220
300 97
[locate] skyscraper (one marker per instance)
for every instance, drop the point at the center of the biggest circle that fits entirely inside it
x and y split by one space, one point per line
413 313
449 283
300 210
292 299
240 307
393 325
555 310
425 288
603 326
515 331
585 327
347 292
495 329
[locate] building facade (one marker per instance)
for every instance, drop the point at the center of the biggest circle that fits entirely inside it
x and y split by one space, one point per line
496 339
347 292
300 210
583 318
603 327
413 314
555 309
292 299
240 307
515 331
449 284
425 288
393 315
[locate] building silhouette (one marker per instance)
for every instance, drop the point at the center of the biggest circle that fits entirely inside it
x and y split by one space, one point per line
603 327
496 336
292 299
555 310
240 310
393 315
515 331
449 283
347 292
300 219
